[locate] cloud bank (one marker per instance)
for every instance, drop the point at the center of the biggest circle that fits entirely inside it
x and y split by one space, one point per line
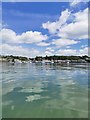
68 30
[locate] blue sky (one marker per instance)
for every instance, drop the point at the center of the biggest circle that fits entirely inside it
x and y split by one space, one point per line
50 28
25 16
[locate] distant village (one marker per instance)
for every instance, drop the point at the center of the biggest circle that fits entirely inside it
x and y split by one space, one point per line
47 59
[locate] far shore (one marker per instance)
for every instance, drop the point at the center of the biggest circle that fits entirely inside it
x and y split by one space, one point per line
46 60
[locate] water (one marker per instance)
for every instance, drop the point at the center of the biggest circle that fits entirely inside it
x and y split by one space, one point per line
44 91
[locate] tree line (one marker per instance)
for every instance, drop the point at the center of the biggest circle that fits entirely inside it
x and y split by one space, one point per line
54 57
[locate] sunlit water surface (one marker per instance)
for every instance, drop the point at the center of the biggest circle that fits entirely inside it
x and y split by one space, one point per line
44 91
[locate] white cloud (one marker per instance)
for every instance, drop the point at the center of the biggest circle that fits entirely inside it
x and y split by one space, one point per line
21 51
64 42
18 50
81 15
32 37
75 2
84 51
77 29
53 27
50 49
48 53
0 26
81 52
43 44
66 52
9 36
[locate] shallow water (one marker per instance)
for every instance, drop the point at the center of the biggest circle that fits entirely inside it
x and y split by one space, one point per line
44 91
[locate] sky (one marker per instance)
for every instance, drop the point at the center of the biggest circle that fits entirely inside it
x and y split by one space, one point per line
44 28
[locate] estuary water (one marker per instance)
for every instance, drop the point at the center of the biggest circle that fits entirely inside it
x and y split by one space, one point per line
44 91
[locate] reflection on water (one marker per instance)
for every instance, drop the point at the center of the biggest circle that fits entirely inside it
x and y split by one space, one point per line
45 91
